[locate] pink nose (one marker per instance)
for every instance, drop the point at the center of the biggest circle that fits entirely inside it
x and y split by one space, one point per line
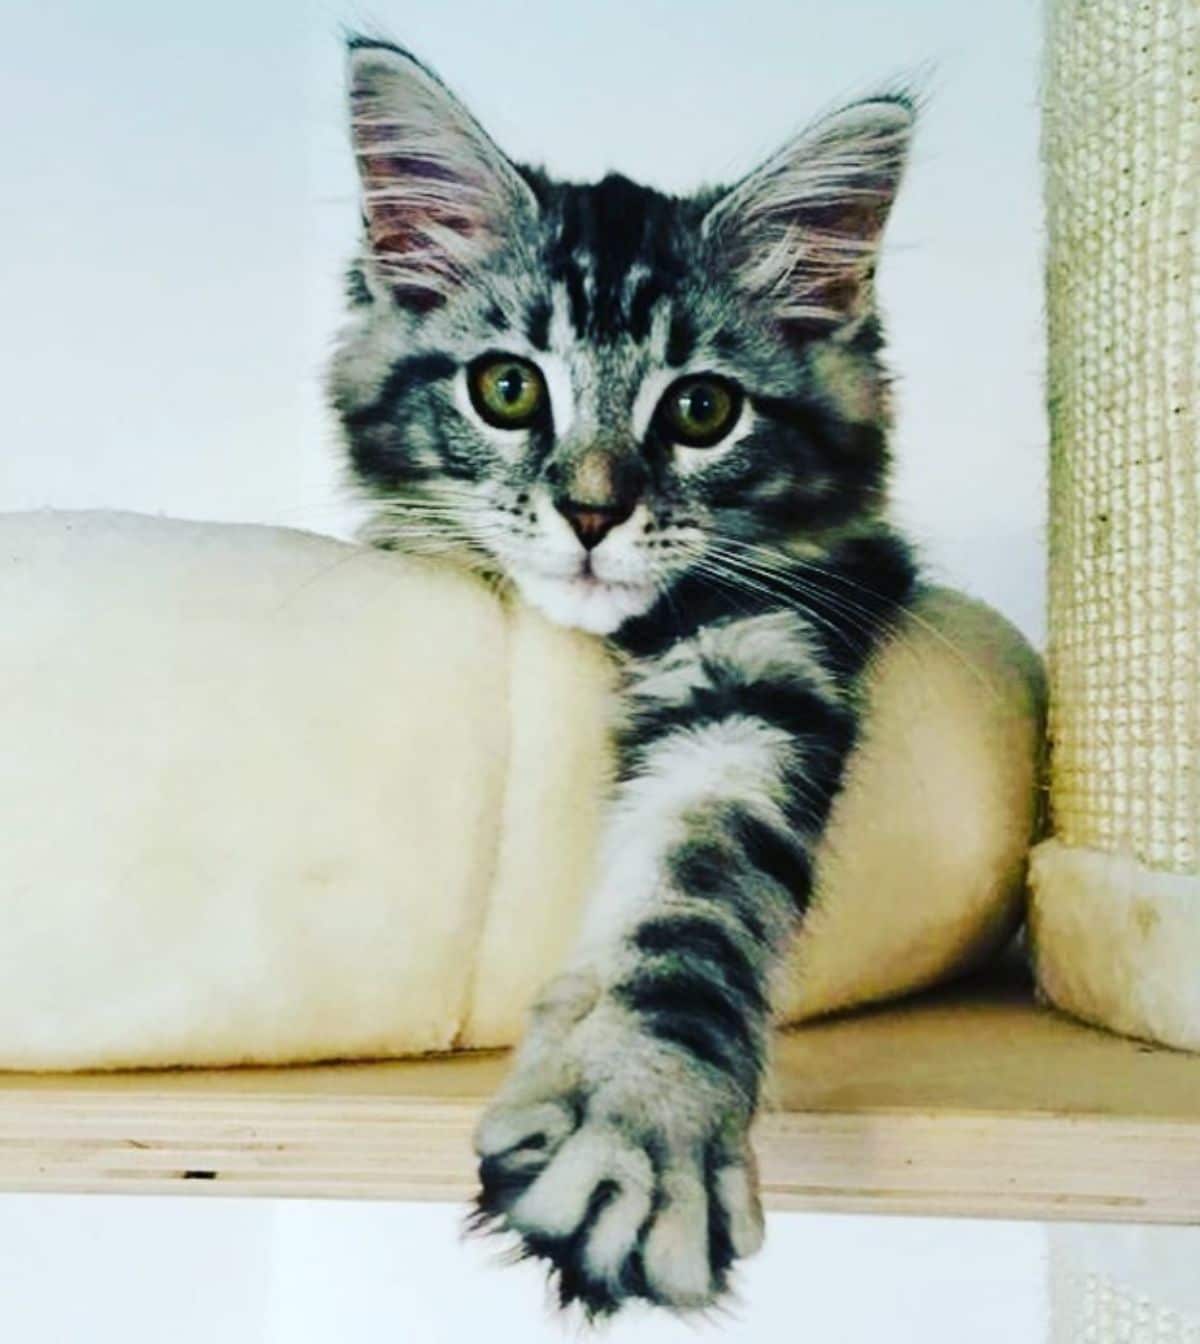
591 524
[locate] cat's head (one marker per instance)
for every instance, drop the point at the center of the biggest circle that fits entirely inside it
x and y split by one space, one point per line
594 390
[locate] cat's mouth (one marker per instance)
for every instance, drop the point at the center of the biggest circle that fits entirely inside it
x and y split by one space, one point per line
584 600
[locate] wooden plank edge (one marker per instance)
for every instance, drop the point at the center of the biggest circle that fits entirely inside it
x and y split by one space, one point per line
1088 1168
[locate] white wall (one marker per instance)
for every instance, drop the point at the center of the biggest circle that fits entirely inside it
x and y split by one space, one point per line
177 200
80 1270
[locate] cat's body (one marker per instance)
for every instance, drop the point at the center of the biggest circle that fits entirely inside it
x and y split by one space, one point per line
665 421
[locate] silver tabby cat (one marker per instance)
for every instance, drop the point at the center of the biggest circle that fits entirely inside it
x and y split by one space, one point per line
663 420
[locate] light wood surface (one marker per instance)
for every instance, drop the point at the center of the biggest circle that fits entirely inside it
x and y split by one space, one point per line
971 1101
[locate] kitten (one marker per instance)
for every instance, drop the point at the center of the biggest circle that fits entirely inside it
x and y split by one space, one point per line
663 420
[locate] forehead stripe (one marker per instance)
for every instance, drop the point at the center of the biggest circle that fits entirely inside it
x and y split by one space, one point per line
577 297
681 341
615 249
537 324
641 306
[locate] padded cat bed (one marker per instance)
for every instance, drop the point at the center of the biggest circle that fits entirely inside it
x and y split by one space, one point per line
269 797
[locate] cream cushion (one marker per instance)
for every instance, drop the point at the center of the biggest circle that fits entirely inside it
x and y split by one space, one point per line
269 797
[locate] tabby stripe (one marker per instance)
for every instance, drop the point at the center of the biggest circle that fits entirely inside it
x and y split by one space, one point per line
793 707
641 306
706 870
423 368
689 1009
576 297
811 789
685 1029
870 579
701 867
681 341
774 853
693 603
537 324
701 940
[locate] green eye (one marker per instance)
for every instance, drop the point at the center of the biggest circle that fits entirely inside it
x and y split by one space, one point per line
508 392
699 412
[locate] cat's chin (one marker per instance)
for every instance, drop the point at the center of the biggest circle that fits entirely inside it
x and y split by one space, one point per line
586 603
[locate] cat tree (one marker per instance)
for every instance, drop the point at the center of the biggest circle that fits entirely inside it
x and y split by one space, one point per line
1116 910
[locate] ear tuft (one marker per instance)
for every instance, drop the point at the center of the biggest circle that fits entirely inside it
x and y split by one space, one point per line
802 232
438 195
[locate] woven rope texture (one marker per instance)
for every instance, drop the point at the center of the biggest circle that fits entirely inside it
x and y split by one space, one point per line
1122 152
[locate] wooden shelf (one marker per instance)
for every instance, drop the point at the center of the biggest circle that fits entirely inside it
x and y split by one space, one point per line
970 1101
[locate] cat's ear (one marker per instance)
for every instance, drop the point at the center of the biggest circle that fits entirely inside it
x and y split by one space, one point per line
801 232
438 196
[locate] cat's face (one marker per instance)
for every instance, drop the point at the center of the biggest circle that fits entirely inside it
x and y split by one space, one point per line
597 389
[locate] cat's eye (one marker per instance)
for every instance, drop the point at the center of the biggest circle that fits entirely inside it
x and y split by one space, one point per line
506 391
698 412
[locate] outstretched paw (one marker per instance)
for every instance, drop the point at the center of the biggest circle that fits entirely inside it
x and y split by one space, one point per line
623 1164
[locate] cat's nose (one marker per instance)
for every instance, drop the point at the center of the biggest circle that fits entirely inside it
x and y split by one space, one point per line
590 523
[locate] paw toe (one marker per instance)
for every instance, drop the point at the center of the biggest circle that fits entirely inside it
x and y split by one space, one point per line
735 1195
612 1243
505 1128
559 1199
515 1144
676 1252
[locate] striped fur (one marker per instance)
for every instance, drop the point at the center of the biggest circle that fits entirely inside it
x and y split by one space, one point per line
742 586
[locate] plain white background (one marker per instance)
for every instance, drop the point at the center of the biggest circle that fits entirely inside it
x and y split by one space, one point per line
80 1270
177 205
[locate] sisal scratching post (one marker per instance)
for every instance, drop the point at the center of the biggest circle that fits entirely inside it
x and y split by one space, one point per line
1116 893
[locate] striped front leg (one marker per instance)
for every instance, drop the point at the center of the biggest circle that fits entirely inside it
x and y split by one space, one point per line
618 1147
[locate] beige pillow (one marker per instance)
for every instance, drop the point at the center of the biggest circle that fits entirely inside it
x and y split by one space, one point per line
270 797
